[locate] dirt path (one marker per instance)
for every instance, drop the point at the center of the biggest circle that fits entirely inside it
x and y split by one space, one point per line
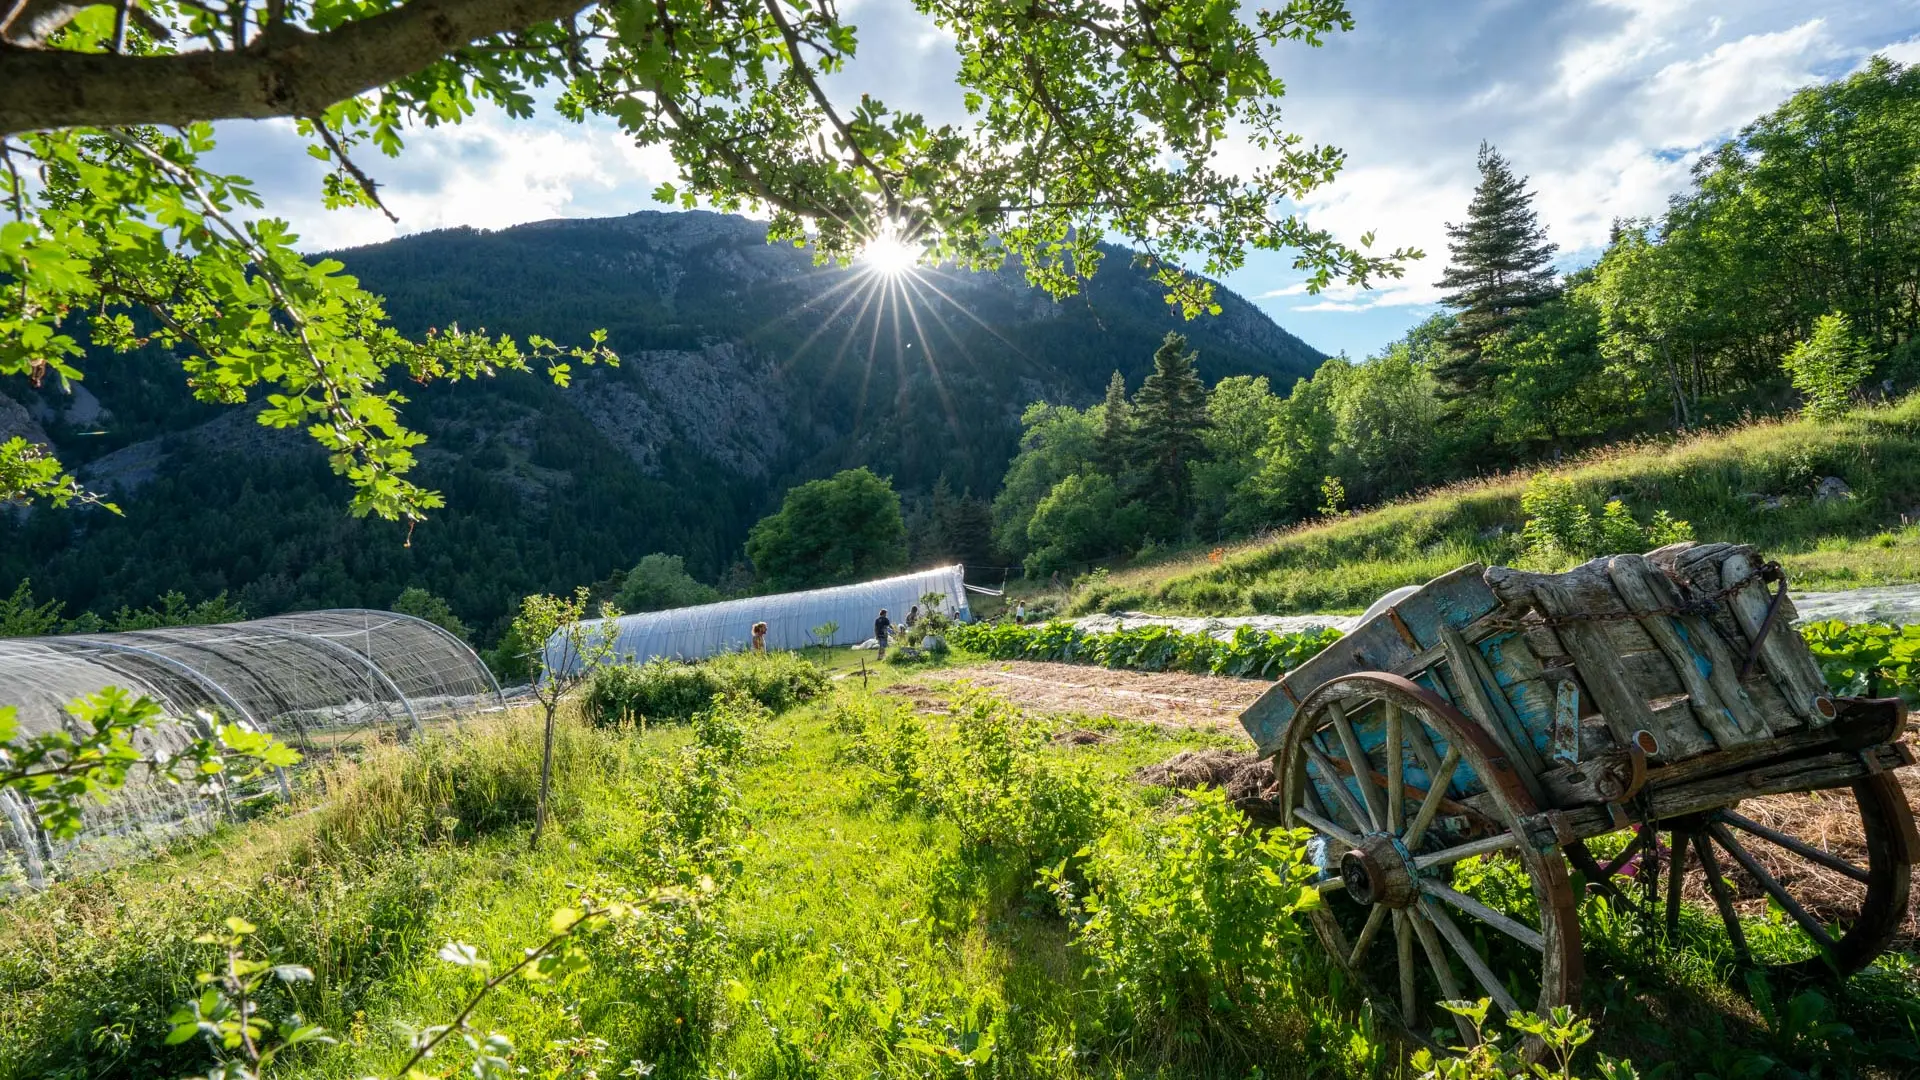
1156 697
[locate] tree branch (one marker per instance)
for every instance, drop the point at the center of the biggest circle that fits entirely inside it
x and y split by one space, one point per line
340 154
792 38
287 71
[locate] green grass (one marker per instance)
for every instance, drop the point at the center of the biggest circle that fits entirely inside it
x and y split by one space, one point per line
1343 565
833 930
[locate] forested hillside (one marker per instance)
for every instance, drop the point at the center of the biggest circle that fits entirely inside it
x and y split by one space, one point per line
744 369
1787 278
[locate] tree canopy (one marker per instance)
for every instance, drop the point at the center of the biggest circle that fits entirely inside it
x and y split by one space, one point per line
830 532
1502 266
660 581
1084 120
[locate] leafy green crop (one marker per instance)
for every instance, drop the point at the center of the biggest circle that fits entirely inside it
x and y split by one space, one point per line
1868 659
1248 653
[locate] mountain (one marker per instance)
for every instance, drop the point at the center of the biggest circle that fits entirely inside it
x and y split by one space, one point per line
744 369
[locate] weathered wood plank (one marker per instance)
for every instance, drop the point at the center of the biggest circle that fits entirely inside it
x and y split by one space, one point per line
1454 599
1579 592
1783 654
1817 773
1699 657
1469 670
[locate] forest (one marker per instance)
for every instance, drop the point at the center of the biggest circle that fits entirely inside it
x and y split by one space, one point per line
1787 277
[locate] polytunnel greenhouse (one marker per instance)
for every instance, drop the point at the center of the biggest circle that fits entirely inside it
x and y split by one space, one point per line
320 681
694 633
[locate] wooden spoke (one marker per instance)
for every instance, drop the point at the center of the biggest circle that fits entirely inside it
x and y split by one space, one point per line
1362 772
1339 786
1311 796
1325 826
1649 876
1722 897
1804 850
1442 969
1403 945
1422 745
1676 877
1489 982
1329 885
1375 920
1396 770
1773 887
1408 790
1465 851
1638 842
1524 934
1442 778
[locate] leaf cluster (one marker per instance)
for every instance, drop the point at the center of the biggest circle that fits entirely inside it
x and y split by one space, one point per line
1248 652
99 748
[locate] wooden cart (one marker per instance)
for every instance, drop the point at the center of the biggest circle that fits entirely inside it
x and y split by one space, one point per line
1552 718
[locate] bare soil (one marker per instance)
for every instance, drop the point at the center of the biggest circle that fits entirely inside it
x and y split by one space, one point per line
1204 701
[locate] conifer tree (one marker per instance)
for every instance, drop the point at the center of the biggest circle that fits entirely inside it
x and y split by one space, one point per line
1112 448
1501 268
1169 415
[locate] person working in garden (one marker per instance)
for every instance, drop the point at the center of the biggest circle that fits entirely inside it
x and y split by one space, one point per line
882 626
760 637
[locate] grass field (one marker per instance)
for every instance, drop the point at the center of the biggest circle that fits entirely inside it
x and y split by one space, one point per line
858 894
1719 482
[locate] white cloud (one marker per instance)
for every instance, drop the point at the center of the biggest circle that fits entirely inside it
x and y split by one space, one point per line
1902 52
1298 288
1690 101
490 172
1644 34
1337 305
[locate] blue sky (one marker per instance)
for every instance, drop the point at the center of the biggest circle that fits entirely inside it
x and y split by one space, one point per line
1604 104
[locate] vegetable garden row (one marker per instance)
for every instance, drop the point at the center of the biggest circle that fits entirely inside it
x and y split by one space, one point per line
1869 659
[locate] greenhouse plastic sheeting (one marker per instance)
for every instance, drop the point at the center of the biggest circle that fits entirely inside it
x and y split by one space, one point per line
694 633
318 680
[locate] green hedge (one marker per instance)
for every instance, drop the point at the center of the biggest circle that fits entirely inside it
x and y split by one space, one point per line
1249 652
674 690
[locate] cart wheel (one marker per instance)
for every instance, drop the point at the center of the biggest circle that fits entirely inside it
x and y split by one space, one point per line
1837 864
1435 790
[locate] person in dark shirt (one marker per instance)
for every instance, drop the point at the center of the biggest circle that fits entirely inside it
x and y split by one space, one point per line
882 627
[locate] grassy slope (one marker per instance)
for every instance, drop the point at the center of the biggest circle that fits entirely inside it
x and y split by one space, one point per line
1345 564
833 939
366 881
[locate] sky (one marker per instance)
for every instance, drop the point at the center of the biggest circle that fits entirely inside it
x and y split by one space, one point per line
1603 104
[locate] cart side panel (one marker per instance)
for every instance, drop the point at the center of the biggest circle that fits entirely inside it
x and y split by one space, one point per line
1391 641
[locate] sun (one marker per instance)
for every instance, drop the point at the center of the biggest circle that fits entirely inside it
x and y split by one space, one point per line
889 256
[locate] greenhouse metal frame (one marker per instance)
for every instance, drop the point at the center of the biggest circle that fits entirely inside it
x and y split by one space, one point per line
320 681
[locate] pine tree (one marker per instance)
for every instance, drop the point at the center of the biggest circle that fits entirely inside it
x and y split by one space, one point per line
1169 414
1501 268
1112 448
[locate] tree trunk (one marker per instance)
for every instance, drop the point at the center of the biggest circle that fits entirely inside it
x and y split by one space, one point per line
1681 418
546 779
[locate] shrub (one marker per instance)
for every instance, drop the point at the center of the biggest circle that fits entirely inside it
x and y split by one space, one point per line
1560 527
672 690
985 772
1192 920
1828 367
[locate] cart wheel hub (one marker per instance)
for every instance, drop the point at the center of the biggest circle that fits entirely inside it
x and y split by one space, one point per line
1379 871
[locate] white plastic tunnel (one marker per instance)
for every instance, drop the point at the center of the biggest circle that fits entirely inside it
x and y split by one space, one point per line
319 681
695 633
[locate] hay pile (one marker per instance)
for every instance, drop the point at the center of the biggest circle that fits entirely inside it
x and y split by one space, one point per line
1246 779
